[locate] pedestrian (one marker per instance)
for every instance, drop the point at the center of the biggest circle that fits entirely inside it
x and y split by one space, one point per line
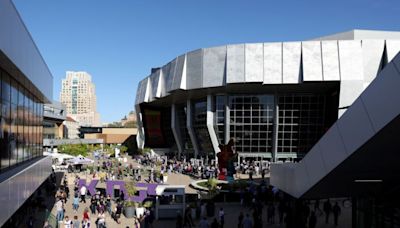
203 223
86 214
312 222
83 191
93 205
75 222
271 213
67 222
247 223
327 210
179 220
221 215
60 210
215 224
240 220
336 212
75 203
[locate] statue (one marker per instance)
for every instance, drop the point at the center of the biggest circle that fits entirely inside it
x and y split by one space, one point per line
226 159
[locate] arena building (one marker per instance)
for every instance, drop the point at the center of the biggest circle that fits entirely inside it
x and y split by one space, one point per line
275 100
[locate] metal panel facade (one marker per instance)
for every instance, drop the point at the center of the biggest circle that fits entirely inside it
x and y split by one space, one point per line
272 63
194 69
254 62
312 61
291 52
214 66
330 60
235 63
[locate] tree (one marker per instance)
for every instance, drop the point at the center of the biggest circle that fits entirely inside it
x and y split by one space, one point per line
74 149
130 124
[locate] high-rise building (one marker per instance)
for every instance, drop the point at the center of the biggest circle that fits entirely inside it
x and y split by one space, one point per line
78 94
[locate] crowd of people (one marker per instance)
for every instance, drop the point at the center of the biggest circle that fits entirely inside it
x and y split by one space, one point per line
256 197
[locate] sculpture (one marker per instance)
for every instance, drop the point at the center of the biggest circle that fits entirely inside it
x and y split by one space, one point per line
226 158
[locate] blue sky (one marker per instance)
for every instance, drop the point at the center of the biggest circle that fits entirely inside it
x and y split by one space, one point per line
119 41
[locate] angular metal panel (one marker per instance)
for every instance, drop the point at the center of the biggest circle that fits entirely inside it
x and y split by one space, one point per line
312 62
330 60
383 107
291 52
315 164
272 63
154 79
355 127
214 60
194 69
254 68
372 51
178 72
351 62
332 148
170 79
165 79
235 63
392 49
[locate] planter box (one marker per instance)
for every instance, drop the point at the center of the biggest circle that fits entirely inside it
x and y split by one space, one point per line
129 212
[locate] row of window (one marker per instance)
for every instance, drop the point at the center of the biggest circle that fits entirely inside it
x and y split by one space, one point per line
21 119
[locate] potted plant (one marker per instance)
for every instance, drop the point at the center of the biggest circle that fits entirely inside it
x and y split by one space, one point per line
212 185
129 205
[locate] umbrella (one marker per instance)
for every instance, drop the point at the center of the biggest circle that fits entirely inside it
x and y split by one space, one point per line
80 160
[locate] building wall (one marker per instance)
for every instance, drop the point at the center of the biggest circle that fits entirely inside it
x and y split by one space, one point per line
26 83
71 129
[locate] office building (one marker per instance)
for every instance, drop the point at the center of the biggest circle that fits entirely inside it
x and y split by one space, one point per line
26 84
78 94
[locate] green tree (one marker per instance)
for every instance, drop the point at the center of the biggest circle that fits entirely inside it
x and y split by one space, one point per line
74 149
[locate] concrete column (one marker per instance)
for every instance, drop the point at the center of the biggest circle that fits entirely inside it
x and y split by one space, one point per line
210 123
190 128
227 120
140 135
275 129
176 130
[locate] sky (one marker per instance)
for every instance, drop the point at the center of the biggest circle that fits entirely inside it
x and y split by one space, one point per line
119 41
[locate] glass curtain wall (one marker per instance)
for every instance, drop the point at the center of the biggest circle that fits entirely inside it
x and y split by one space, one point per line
301 122
220 118
21 119
251 122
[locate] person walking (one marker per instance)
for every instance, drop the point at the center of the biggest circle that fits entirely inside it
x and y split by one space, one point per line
60 210
203 223
221 215
240 220
75 203
67 223
327 210
336 212
75 222
247 223
83 191
312 222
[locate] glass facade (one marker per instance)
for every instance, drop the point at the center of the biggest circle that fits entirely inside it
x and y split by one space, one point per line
251 122
301 122
21 120
219 124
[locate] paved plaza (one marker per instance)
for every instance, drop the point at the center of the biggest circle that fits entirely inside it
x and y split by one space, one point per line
231 210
